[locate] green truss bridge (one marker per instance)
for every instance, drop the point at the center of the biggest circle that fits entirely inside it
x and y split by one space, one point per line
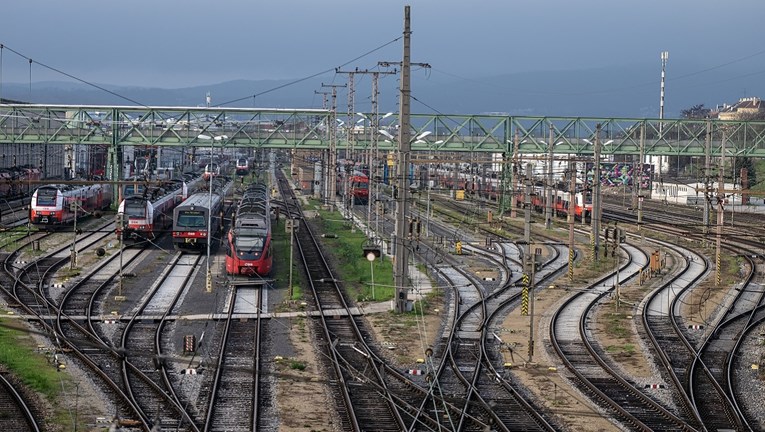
311 129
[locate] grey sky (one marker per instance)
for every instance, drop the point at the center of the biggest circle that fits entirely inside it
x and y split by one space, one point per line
168 43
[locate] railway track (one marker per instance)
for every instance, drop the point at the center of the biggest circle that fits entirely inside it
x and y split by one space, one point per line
570 336
143 367
17 415
236 389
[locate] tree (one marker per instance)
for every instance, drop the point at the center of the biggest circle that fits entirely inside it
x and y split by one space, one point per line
696 112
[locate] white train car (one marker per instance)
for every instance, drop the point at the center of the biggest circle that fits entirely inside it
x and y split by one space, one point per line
692 194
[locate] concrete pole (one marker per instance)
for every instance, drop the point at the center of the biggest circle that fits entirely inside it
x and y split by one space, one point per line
527 206
516 173
595 233
549 209
404 148
640 179
571 219
720 214
707 174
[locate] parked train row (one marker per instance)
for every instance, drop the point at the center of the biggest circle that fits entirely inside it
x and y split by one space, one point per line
148 209
248 248
18 182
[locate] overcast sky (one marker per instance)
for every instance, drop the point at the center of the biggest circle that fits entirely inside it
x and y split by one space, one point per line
171 44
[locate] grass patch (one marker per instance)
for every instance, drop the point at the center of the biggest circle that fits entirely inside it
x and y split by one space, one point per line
280 240
297 365
354 269
627 349
18 352
616 326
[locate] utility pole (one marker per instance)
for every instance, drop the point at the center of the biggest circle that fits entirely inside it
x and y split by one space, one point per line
595 230
402 200
329 177
571 220
720 213
640 178
707 176
516 173
534 261
527 206
401 241
549 207
350 122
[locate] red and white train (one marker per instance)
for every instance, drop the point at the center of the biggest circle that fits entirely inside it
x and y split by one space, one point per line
211 170
53 205
242 166
145 215
248 250
581 204
355 185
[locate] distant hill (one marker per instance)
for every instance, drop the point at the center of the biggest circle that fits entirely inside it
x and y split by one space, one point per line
628 91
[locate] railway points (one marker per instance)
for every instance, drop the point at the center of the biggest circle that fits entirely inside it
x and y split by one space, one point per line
200 308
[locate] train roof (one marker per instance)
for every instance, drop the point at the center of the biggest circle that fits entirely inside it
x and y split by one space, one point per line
200 200
70 187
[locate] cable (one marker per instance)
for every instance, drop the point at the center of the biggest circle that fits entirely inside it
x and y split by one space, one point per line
253 96
70 76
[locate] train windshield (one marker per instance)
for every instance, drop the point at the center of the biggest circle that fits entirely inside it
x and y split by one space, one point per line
587 196
46 196
249 244
191 219
241 162
133 189
360 185
135 208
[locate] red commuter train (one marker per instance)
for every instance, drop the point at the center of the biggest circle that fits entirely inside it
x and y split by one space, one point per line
356 184
248 250
54 205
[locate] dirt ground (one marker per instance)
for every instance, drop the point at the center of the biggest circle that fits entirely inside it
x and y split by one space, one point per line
302 395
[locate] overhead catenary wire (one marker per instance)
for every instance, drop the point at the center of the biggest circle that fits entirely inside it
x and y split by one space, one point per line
299 80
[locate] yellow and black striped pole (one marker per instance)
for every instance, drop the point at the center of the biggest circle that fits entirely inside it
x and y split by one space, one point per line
525 295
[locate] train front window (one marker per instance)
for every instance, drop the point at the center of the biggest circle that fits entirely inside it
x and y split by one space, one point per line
191 219
249 244
135 208
46 197
360 185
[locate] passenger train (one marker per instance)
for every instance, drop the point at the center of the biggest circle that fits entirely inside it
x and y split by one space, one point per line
563 204
53 205
151 211
248 249
355 185
18 181
242 166
190 218
211 170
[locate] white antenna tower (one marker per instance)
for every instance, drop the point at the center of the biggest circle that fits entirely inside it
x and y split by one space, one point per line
208 99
